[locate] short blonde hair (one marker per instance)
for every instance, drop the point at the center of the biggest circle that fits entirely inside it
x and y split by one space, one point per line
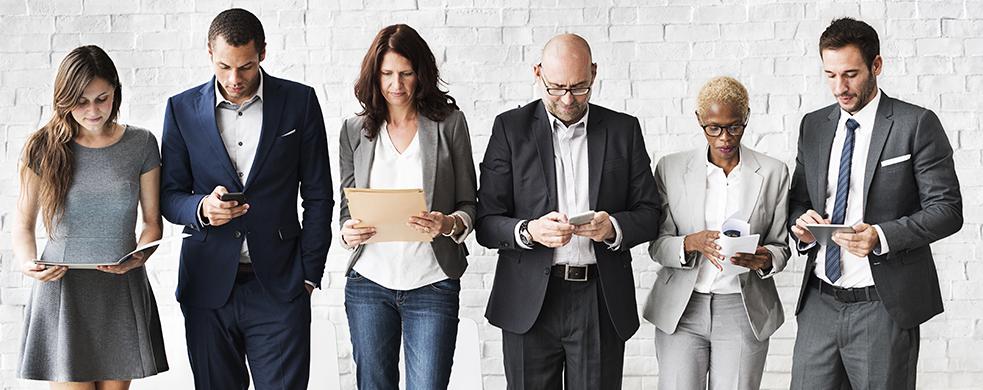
725 91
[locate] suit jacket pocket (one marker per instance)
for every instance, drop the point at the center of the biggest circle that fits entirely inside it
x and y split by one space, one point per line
196 235
288 232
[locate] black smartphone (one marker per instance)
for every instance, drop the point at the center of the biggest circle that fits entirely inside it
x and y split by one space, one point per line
236 196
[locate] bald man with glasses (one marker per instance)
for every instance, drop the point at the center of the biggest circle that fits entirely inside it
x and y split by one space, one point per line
564 294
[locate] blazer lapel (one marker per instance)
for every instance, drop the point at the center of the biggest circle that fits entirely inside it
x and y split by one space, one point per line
427 134
696 189
596 145
272 111
209 126
543 136
751 182
364 154
825 147
878 137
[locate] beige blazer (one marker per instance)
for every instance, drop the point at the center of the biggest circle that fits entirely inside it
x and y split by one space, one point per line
681 180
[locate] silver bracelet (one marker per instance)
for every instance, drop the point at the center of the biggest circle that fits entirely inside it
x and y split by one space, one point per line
453 228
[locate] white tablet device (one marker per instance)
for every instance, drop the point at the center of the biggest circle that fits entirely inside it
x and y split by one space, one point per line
824 233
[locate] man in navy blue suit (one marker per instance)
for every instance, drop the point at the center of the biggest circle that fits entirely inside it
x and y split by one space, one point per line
248 268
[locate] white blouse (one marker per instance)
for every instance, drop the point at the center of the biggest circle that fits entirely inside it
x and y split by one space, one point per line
398 265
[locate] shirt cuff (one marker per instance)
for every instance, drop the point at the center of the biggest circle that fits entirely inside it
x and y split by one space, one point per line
682 254
310 283
518 238
466 220
202 220
881 249
805 247
616 243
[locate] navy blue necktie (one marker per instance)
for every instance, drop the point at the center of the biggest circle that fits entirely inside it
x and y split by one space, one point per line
839 206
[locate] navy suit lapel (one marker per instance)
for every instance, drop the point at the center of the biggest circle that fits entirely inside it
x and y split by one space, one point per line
878 137
825 147
596 145
272 110
543 136
209 126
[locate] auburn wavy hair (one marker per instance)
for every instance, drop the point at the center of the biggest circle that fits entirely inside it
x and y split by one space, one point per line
431 101
47 158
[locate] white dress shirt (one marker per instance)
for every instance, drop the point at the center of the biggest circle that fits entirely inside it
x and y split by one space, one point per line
240 126
723 199
572 189
854 271
398 265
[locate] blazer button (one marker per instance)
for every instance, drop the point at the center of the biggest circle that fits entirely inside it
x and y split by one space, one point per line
237 234
546 271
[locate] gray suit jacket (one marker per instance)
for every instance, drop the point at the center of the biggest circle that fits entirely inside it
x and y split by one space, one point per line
910 191
681 180
449 182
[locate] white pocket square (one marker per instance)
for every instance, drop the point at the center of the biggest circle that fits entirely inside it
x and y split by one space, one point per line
892 161
288 133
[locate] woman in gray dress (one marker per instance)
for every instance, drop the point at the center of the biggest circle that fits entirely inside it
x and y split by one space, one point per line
85 174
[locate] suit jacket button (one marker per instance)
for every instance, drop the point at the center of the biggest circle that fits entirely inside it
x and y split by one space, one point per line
237 234
546 271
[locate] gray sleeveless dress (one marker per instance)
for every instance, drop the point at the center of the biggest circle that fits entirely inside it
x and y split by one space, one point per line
92 325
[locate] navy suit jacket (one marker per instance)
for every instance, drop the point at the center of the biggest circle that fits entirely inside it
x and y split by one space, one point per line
292 153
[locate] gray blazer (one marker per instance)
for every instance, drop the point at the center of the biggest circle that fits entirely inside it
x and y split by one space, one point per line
449 182
910 190
681 180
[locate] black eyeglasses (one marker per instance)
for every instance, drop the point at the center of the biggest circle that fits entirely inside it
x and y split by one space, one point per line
553 91
717 130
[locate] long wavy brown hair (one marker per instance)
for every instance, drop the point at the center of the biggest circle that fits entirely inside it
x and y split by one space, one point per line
431 101
47 156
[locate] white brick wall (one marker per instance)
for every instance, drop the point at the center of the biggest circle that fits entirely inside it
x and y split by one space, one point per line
652 57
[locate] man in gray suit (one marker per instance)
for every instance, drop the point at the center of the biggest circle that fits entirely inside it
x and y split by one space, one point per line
885 168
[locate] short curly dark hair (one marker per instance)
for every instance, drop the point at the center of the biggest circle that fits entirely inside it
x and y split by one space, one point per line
238 27
848 31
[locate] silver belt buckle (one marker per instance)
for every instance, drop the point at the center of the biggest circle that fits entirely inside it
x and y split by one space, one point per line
566 273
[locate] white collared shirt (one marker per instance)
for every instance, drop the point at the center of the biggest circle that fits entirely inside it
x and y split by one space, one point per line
570 160
854 271
398 265
240 126
722 199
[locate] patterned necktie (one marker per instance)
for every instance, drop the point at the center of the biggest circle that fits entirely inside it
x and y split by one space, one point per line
839 207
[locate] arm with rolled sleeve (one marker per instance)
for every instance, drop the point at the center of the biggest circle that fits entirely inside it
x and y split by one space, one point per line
178 201
315 192
667 249
465 180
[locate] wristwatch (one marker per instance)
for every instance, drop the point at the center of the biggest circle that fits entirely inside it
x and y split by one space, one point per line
524 234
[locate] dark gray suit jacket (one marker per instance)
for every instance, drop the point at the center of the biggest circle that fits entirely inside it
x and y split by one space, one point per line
916 201
449 182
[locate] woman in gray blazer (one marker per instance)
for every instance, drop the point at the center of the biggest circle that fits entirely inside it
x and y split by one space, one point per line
409 134
713 323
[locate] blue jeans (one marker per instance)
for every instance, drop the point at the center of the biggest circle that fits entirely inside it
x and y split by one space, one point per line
425 317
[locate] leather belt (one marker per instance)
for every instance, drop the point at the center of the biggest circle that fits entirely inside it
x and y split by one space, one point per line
246 268
574 273
845 295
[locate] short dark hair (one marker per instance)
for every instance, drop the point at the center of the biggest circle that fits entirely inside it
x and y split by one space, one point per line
430 101
848 31
238 27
